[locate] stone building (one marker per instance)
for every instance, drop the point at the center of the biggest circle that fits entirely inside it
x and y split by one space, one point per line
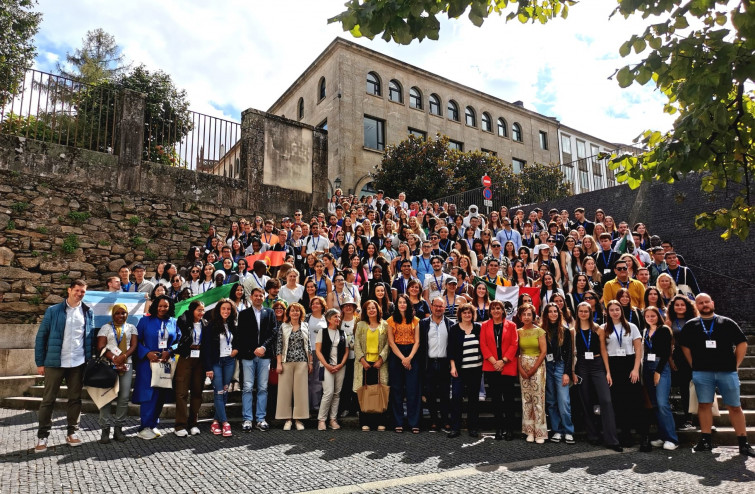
367 100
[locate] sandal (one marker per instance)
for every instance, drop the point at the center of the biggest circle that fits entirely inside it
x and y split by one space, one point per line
365 428
399 430
415 430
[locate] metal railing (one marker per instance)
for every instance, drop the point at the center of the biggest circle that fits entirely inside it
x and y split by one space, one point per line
52 108
193 140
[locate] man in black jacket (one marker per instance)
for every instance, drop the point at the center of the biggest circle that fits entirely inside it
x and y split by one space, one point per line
436 368
257 336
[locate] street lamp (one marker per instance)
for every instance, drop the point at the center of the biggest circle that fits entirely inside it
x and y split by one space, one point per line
337 182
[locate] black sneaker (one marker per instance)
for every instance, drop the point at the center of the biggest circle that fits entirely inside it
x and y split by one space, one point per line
703 446
746 450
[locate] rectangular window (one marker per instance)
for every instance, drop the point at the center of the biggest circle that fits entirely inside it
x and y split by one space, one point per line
566 144
459 146
594 150
488 151
543 140
518 165
568 173
581 151
323 125
374 133
418 133
584 179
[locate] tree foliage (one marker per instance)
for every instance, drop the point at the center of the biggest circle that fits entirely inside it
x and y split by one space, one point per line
430 169
99 59
18 25
700 54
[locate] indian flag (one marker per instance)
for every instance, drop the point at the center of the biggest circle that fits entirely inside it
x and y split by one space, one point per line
210 298
509 295
102 302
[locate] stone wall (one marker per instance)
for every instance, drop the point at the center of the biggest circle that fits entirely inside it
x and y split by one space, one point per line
70 213
726 270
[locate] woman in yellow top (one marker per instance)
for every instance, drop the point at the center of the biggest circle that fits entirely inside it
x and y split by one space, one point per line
532 353
371 351
403 367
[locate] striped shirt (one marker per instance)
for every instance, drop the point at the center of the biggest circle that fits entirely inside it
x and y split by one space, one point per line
471 356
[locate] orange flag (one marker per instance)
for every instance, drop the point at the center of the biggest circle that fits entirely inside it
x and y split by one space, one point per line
271 258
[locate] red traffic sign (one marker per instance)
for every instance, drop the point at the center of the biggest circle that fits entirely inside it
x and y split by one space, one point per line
486 181
487 193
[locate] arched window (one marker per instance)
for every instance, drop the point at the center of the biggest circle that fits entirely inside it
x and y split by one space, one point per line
394 91
453 111
516 132
301 108
373 84
434 104
470 116
415 98
321 93
502 129
487 123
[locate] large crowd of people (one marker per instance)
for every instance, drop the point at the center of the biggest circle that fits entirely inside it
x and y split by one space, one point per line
378 291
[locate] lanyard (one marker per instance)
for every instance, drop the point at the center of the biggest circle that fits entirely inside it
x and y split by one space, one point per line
319 283
469 243
315 243
194 338
508 234
618 335
438 283
425 263
606 262
708 333
204 286
163 332
115 335
631 314
228 337
449 305
587 340
257 280
127 286
580 297
648 342
370 263
268 237
679 326
405 283
623 285
348 238
481 311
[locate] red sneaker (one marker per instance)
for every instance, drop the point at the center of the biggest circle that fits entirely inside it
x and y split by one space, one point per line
215 428
227 430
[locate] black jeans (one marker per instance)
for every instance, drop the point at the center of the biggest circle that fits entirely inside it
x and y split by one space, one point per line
502 387
467 384
593 375
437 381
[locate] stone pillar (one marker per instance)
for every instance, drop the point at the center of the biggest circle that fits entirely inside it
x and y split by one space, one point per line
131 139
252 156
320 181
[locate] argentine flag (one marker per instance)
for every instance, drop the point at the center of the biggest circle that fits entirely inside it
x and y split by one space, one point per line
102 302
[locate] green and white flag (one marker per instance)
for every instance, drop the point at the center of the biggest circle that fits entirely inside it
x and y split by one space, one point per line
210 298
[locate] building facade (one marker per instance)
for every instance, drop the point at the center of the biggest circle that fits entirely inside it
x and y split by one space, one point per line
367 101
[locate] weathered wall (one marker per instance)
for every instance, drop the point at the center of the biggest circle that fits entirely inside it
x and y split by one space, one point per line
69 213
724 269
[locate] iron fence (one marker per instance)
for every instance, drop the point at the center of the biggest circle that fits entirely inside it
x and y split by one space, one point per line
193 140
55 109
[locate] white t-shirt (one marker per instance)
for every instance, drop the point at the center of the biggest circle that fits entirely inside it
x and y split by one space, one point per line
612 340
335 338
112 344
291 296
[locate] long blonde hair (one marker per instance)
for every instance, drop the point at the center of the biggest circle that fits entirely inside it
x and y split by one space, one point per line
673 289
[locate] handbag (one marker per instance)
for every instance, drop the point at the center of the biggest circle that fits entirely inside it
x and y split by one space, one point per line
99 372
373 398
693 403
162 374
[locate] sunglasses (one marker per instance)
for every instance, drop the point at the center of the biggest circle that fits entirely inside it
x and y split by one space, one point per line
621 269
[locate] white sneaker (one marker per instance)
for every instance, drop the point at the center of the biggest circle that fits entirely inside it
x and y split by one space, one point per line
146 434
195 431
73 440
41 446
556 438
181 432
668 445
530 438
482 397
656 443
157 432
299 425
540 440
569 439
287 425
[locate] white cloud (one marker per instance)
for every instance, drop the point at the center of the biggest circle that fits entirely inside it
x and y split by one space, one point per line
238 54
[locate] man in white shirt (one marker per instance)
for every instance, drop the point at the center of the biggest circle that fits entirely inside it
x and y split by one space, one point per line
435 282
433 334
507 234
317 242
63 344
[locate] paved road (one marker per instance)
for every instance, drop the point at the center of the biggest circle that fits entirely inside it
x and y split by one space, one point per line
346 461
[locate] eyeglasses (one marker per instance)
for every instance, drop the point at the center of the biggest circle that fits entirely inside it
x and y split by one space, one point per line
551 241
589 298
436 306
621 269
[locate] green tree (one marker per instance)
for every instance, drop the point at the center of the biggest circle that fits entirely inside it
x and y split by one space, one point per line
542 183
99 59
18 25
705 71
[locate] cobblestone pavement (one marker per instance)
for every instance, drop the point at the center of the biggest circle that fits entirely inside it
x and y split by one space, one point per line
345 461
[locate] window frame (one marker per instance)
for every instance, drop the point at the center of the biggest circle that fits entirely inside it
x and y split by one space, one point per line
418 133
456 116
470 114
300 108
418 97
457 145
321 90
501 123
516 131
434 99
485 117
543 136
377 85
398 88
380 129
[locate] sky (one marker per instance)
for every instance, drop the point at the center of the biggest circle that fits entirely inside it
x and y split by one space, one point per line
239 54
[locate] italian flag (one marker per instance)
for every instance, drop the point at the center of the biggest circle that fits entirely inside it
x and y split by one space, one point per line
509 295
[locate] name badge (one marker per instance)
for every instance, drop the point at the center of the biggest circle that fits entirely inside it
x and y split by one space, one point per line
117 351
127 367
588 356
225 352
710 343
621 352
549 357
162 344
607 271
194 354
651 357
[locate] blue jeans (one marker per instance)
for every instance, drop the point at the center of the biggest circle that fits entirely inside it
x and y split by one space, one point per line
557 399
255 370
659 397
404 384
222 373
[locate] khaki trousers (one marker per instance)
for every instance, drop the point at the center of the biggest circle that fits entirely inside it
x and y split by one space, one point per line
293 384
